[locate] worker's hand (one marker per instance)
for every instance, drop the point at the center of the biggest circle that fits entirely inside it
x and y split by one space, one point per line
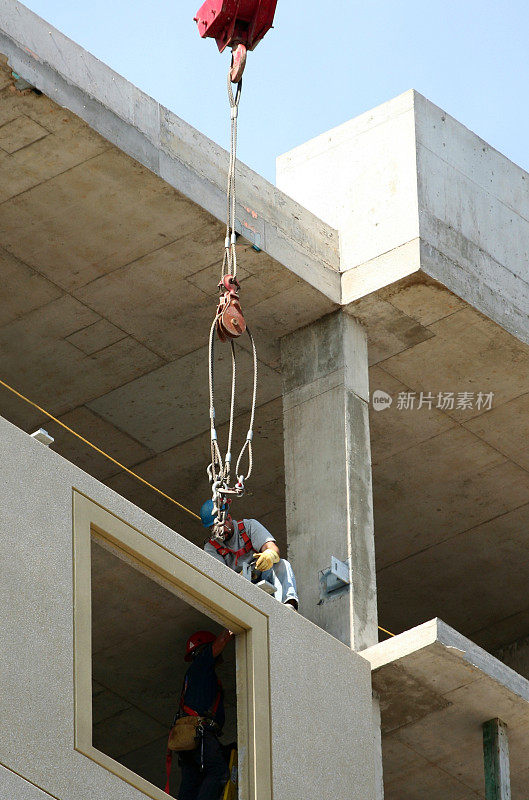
266 560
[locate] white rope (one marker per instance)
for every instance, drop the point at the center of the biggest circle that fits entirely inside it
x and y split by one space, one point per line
219 470
230 257
249 436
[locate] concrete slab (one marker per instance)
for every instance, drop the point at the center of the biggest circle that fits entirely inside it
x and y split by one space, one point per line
165 144
436 502
92 427
457 686
175 417
48 359
28 290
20 132
453 360
478 563
96 337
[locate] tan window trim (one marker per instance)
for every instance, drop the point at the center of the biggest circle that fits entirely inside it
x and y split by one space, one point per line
253 678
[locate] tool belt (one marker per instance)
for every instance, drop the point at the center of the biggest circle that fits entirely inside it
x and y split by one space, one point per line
185 733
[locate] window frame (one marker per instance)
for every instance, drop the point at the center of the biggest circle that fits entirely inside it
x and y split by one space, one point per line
91 520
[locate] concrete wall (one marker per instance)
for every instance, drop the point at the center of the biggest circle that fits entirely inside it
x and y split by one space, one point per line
410 188
474 208
516 656
361 177
320 690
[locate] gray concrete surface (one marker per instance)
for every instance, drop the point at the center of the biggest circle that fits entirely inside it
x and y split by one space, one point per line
437 689
165 144
13 786
434 238
108 291
36 694
516 656
410 190
108 332
329 504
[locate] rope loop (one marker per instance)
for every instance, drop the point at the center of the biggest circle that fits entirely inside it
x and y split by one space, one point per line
219 469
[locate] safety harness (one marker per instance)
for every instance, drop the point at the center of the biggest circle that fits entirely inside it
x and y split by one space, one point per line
185 710
190 712
223 551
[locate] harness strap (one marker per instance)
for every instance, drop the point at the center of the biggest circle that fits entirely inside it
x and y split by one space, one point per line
191 711
168 765
248 546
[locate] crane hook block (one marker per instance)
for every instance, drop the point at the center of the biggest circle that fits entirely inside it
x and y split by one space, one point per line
235 22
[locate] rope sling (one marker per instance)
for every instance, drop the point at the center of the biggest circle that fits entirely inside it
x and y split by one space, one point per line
228 325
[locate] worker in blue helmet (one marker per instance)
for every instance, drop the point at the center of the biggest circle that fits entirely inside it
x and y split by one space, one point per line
248 541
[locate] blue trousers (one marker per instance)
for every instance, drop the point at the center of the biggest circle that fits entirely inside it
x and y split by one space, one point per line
282 578
206 784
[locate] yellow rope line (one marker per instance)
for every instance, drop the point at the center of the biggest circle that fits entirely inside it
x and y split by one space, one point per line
98 450
114 461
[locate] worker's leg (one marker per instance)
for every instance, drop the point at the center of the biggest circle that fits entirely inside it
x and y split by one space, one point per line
282 577
215 772
191 776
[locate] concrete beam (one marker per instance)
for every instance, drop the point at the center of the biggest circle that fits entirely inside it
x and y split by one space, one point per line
172 149
328 472
411 190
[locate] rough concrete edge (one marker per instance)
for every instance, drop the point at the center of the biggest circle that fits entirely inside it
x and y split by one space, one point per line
371 273
151 134
422 100
360 124
410 641
479 658
436 631
495 302
471 280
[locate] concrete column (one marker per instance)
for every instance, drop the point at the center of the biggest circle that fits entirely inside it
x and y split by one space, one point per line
328 472
496 758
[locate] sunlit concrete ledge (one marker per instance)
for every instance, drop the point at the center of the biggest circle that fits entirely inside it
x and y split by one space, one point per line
436 690
412 191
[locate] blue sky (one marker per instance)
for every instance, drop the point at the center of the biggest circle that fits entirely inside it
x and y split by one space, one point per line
322 64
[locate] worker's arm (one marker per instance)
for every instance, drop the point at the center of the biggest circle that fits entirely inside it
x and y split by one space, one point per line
270 546
269 555
221 641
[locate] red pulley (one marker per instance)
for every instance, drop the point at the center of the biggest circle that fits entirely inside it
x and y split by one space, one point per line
235 22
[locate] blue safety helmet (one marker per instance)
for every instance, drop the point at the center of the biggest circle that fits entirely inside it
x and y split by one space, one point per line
206 513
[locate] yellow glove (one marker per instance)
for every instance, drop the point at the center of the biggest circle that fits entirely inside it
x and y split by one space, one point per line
266 560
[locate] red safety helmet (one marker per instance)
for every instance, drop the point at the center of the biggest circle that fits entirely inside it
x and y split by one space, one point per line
195 640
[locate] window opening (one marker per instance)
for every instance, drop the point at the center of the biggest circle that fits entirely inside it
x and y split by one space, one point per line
139 635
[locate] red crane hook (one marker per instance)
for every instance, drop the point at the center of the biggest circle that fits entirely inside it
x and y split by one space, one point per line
239 24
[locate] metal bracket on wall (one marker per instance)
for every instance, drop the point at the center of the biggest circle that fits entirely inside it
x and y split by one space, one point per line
335 580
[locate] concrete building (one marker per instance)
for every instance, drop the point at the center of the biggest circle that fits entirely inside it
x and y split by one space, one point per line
386 282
